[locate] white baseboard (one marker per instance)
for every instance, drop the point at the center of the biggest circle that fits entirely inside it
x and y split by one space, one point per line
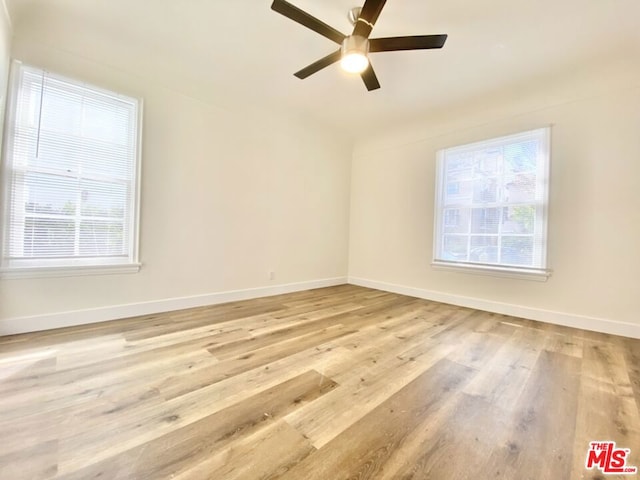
12 326
548 316
16 325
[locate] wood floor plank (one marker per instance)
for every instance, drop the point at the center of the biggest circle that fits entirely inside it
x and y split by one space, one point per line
503 377
110 367
128 383
356 397
362 450
607 366
40 461
607 406
211 319
565 344
333 383
452 444
632 360
263 456
607 417
543 424
145 423
177 450
371 372
177 386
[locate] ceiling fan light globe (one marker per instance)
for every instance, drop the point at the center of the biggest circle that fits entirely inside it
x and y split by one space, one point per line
354 54
354 62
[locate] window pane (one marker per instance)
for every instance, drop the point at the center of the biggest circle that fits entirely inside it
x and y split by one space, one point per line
61 110
47 237
50 194
455 247
519 219
521 156
456 220
484 249
105 122
70 154
103 199
520 188
98 238
517 250
485 190
458 193
460 166
485 220
54 153
486 163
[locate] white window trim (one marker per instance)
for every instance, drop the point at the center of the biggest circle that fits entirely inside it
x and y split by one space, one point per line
67 271
540 275
51 267
536 274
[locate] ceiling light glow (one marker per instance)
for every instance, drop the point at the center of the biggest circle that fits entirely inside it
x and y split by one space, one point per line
354 54
354 62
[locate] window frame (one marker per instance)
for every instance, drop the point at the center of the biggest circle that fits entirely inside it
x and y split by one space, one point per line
541 216
54 267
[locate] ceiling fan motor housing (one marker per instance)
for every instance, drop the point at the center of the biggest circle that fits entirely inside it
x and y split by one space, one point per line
355 44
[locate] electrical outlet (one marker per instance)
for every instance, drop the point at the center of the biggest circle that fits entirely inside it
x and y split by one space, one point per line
272 275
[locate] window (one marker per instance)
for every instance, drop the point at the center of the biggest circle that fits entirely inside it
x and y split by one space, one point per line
491 204
70 176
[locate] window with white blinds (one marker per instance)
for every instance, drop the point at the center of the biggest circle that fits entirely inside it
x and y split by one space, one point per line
70 177
491 204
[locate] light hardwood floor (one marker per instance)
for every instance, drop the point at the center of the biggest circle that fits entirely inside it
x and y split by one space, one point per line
336 383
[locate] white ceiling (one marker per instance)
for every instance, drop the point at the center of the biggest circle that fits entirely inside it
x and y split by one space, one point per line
247 51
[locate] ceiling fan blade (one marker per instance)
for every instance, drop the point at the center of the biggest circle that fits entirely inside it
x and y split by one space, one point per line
303 18
319 65
368 16
419 42
370 79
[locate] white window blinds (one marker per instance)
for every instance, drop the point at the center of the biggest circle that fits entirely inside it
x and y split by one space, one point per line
491 203
71 165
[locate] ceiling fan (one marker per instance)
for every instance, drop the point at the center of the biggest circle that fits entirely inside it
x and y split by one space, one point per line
353 54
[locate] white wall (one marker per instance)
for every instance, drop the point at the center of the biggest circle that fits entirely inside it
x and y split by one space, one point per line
594 221
228 195
6 34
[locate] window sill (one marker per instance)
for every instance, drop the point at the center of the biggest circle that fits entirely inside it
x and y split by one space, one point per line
48 272
505 272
